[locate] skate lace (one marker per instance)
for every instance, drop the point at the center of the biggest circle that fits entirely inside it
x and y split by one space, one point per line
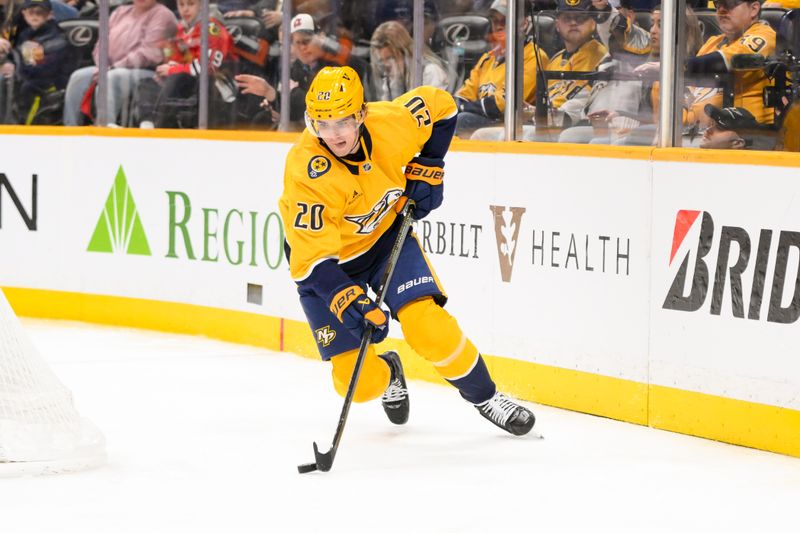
499 409
395 392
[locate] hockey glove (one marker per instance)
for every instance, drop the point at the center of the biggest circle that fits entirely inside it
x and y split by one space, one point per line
355 310
424 185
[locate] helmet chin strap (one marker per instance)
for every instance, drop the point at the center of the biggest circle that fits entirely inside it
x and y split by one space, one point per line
358 141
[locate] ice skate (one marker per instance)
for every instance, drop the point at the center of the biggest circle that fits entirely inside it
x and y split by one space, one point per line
395 397
504 413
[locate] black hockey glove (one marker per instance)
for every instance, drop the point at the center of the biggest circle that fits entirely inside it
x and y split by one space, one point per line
424 185
355 310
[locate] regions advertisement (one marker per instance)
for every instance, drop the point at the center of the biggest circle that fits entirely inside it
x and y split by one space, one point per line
173 220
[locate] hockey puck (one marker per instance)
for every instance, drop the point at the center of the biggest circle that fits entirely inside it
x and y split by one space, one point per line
306 468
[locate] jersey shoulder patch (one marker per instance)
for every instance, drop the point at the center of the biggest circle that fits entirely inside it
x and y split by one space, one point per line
317 166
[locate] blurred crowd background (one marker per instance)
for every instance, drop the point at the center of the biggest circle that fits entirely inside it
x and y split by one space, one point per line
590 67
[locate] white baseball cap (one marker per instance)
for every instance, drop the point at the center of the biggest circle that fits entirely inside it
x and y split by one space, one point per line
501 6
303 22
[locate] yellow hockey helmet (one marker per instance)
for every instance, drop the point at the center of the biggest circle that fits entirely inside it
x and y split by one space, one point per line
335 92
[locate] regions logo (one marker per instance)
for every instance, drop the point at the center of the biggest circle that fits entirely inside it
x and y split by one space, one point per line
325 335
368 222
506 230
318 165
734 268
119 229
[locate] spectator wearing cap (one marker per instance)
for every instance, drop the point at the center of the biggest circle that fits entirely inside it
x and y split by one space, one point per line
41 58
14 23
742 33
391 53
307 47
136 33
734 128
481 99
582 53
567 99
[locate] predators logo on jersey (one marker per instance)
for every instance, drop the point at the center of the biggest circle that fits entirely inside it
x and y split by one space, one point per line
368 222
487 89
318 165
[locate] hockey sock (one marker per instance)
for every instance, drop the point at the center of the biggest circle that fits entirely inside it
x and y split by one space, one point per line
477 386
374 378
435 335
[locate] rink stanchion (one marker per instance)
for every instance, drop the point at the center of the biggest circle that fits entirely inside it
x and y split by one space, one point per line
324 461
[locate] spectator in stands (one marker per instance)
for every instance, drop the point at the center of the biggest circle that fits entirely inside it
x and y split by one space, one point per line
481 99
391 52
309 49
613 104
136 34
60 10
735 128
742 33
41 51
567 99
177 76
617 123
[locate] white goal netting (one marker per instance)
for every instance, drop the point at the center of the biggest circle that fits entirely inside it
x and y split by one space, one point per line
40 429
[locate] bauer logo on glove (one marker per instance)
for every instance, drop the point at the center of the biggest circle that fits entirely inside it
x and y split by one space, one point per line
432 175
424 185
355 310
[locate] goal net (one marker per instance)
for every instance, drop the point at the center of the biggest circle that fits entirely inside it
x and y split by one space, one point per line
40 429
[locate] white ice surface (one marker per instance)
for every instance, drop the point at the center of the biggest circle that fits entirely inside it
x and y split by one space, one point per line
205 436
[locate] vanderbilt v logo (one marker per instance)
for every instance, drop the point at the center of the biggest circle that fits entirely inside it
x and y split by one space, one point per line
506 230
119 228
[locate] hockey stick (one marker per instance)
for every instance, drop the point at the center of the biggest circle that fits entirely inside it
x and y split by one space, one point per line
324 461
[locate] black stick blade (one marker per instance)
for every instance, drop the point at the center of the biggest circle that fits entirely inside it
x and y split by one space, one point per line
306 468
324 460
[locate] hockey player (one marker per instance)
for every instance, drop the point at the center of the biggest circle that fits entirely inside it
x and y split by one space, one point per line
343 186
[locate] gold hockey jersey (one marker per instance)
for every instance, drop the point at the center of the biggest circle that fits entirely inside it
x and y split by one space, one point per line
335 208
584 59
488 78
748 85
